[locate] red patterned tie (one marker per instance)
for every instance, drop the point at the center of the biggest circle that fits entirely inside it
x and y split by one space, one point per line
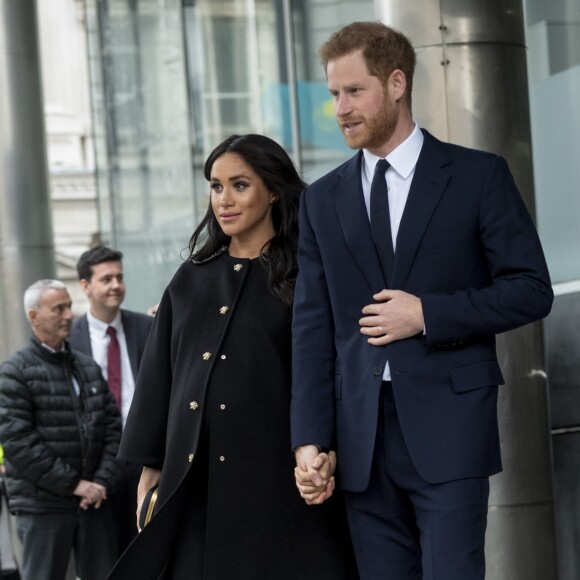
114 365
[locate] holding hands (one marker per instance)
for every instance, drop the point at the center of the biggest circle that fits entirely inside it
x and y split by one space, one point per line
314 474
394 316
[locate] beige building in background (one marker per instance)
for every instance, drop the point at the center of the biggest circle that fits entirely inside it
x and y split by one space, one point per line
65 79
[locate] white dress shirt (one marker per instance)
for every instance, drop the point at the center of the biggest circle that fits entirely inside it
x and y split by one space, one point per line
100 344
399 176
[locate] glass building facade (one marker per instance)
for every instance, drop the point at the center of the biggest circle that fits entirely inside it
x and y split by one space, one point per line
553 38
170 79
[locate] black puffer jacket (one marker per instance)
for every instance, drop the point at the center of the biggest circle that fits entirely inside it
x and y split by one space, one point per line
53 438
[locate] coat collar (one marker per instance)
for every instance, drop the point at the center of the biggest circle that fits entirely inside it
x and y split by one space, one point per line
53 357
429 182
217 253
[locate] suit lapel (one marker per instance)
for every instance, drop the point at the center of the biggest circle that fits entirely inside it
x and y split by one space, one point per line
82 336
429 182
131 340
354 221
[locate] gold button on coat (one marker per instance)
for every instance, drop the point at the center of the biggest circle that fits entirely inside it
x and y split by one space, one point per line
222 458
224 310
193 405
190 457
238 267
206 355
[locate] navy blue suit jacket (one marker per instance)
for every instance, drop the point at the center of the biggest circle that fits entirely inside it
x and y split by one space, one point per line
468 248
136 327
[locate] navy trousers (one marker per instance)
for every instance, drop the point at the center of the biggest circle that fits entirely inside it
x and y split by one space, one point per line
404 528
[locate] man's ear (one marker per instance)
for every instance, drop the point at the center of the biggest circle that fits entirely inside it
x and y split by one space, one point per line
397 84
84 283
31 315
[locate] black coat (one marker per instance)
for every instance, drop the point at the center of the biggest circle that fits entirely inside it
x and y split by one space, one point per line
213 392
53 438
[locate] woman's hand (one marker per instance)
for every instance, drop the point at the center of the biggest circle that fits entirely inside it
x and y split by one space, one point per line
149 478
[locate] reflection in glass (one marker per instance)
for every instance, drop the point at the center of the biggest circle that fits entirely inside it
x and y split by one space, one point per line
172 78
238 73
141 123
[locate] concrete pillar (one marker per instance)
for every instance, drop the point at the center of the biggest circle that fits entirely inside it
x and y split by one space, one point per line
471 88
26 246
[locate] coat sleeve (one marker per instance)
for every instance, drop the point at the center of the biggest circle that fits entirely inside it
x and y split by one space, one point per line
520 291
144 436
24 448
313 350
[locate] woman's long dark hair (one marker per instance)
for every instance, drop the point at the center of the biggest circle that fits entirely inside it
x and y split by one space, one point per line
276 170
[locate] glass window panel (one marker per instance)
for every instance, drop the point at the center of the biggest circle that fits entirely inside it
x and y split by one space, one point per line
98 105
234 56
172 78
553 37
141 113
238 75
322 144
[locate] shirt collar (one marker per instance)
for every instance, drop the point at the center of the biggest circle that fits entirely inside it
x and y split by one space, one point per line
403 158
100 327
52 350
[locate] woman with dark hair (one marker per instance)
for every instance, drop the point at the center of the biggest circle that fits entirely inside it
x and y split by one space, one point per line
210 416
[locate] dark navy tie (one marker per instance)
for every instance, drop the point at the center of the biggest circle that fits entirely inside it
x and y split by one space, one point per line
381 219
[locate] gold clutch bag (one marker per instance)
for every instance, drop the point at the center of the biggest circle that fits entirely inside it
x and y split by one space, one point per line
148 507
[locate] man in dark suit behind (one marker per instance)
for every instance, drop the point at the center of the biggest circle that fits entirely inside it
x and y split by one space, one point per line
100 272
394 360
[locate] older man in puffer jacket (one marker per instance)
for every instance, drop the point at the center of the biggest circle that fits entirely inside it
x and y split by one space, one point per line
60 429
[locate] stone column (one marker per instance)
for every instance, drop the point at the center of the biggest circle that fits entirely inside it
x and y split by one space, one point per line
26 246
471 88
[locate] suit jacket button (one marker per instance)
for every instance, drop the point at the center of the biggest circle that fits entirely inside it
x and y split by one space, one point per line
190 457
206 355
377 371
193 405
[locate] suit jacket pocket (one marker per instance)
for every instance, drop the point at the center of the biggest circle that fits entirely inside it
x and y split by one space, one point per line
338 386
476 375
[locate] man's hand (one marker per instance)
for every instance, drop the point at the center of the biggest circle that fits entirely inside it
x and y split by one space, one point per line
91 493
102 490
395 315
314 474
